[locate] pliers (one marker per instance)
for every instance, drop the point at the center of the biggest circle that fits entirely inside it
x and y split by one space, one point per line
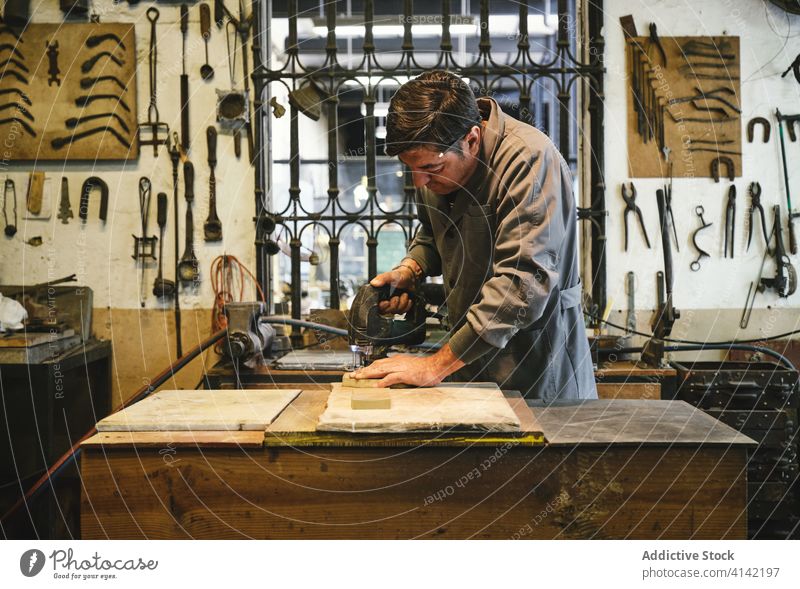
630 206
730 220
755 203
654 40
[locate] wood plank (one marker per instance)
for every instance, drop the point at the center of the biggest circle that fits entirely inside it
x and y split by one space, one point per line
630 390
204 439
621 421
208 410
303 413
448 406
634 492
631 369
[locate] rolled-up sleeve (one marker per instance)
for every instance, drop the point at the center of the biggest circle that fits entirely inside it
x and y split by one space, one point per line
530 230
423 247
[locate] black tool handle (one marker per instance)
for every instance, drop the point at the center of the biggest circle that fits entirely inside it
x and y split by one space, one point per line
792 236
219 12
161 215
211 137
185 111
188 181
665 240
184 81
184 19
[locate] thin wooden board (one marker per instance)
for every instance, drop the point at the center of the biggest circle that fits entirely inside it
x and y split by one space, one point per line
213 439
628 390
645 159
212 410
622 421
445 407
53 104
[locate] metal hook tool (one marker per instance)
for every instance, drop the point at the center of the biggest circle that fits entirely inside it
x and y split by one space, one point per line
695 265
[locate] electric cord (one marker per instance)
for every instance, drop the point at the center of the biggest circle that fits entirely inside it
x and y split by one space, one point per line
695 348
682 341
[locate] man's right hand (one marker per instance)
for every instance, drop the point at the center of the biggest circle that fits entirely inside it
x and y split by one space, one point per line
401 277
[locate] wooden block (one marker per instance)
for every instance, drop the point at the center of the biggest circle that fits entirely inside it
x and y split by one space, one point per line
370 400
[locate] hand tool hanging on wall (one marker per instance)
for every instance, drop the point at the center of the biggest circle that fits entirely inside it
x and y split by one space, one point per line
790 120
185 137
630 287
206 71
751 128
666 314
755 287
74 122
632 207
162 288
728 165
35 195
87 83
212 228
175 157
88 186
793 67
52 58
233 108
10 193
701 253
730 221
144 247
12 49
654 40
84 101
155 132
97 40
668 197
755 205
64 208
61 142
785 280
187 267
89 64
710 49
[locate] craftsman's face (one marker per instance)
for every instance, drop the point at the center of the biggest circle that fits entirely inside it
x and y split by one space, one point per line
444 172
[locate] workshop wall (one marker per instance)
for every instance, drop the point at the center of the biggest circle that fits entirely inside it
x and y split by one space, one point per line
100 254
711 299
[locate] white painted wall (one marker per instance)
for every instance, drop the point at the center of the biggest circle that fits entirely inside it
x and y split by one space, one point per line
769 43
101 255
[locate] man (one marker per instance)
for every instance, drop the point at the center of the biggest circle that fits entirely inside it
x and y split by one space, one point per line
497 220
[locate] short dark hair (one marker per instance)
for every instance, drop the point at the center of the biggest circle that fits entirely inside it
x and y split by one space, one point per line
435 109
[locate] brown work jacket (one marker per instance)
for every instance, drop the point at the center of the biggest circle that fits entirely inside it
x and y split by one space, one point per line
506 245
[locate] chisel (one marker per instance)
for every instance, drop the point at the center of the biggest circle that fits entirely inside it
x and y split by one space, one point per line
184 81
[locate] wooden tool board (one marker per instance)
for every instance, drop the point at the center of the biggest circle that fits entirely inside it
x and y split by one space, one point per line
645 159
53 103
480 407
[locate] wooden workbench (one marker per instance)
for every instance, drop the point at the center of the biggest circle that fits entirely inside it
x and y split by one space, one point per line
608 469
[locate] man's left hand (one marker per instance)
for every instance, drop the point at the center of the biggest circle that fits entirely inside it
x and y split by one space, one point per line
411 370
